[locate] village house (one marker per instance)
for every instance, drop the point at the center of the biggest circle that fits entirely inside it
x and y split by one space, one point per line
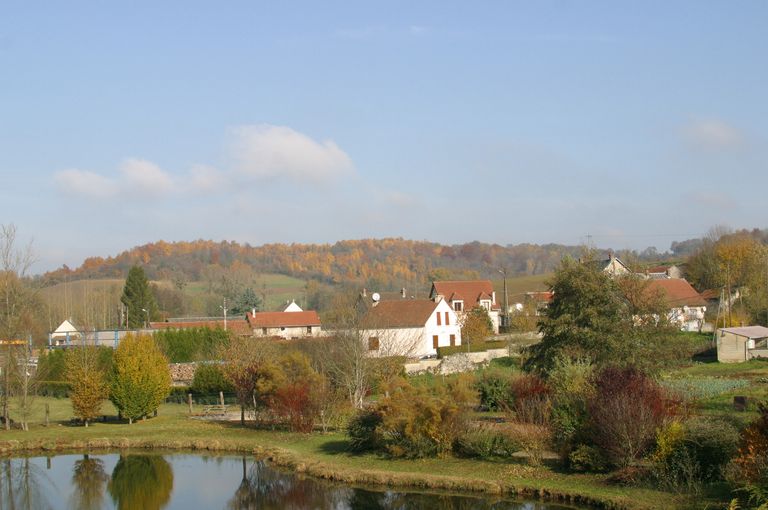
291 323
463 296
686 306
741 344
237 326
664 272
409 327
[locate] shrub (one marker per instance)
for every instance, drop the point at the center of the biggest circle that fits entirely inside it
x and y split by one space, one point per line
493 387
361 430
587 458
749 469
625 413
414 422
534 439
209 379
297 395
486 442
475 346
572 385
530 399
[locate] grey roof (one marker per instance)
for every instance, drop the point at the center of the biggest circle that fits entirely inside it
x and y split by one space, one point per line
748 331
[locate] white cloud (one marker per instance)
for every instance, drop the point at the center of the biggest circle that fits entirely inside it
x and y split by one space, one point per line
713 133
266 152
85 183
146 177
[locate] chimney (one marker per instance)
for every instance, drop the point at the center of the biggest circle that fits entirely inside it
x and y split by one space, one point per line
402 293
253 311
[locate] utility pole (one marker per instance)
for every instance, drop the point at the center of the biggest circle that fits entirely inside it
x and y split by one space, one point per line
225 313
503 271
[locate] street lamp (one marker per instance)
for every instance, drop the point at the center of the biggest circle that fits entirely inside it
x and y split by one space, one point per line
146 324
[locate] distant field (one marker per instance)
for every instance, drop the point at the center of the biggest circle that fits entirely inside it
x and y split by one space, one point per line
519 285
276 288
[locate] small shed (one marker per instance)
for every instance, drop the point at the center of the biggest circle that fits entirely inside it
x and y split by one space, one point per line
735 345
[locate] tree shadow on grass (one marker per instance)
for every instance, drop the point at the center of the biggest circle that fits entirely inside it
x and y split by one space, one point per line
338 447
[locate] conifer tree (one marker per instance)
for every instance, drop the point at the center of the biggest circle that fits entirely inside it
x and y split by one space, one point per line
138 299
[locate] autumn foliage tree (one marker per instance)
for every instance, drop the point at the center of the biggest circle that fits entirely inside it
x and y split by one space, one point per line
87 379
140 377
476 325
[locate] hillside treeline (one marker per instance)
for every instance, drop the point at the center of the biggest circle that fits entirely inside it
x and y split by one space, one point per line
380 263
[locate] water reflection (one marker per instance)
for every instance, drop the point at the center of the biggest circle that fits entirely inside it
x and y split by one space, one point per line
141 482
147 482
89 480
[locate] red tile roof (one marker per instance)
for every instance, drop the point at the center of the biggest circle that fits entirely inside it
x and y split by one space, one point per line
405 313
710 294
283 319
677 292
471 290
238 326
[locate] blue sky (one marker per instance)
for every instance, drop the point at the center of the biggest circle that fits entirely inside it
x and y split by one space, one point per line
637 123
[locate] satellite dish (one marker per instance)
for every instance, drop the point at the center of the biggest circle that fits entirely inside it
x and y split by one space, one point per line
376 297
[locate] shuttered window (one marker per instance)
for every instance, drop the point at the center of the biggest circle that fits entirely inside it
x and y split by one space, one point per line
434 341
438 318
453 340
447 320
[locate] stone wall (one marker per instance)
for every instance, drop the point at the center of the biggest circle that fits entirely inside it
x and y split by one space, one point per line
460 362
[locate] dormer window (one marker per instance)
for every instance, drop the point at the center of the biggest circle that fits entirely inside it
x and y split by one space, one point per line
486 303
458 306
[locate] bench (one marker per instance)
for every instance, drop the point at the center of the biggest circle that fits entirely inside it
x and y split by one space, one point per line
215 409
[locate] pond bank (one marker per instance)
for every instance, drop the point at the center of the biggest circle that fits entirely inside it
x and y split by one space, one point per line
324 456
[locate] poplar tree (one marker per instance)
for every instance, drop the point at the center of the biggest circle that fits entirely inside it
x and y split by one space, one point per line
138 298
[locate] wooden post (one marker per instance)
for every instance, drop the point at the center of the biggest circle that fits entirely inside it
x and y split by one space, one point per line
47 414
221 398
189 400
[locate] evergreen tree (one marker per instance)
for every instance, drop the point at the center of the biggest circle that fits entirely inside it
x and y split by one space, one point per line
245 302
138 299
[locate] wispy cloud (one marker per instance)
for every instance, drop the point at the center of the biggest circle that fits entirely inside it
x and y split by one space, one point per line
267 152
713 134
85 183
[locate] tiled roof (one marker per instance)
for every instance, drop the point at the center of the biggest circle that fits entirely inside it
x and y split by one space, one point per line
405 313
677 292
471 290
710 294
283 319
238 326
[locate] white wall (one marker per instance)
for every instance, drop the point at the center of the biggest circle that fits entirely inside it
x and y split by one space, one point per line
295 332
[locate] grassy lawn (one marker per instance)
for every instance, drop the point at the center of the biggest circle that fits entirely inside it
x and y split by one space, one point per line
324 455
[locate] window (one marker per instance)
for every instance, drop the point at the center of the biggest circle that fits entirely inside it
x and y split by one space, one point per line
485 304
373 343
309 330
458 306
434 341
263 331
453 340
447 320
438 318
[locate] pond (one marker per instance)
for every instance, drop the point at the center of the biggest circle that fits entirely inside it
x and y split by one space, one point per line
150 481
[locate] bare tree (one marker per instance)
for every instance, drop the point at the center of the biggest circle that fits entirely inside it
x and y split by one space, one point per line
363 348
16 317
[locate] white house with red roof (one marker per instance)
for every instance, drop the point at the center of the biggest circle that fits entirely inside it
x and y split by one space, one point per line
686 305
464 295
290 324
409 327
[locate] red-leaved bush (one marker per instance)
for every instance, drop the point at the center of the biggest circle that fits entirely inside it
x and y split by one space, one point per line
626 411
297 403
